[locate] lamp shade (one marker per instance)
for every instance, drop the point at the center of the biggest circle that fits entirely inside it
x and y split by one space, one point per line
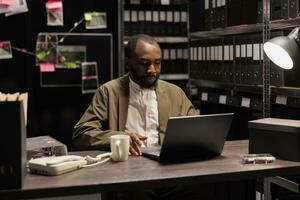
282 51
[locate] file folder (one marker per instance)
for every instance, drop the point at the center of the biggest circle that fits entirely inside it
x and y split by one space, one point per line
233 11
228 63
196 15
293 8
141 21
183 23
207 15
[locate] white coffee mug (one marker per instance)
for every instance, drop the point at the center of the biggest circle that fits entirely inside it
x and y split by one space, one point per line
119 145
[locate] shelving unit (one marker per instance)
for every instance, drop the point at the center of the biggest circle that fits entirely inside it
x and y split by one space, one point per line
214 51
227 65
167 22
282 24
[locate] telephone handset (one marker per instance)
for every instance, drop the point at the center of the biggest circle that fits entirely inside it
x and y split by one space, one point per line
55 165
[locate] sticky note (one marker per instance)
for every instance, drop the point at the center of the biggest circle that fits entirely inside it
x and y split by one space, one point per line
53 5
222 99
6 2
204 96
41 55
281 100
88 16
245 102
47 67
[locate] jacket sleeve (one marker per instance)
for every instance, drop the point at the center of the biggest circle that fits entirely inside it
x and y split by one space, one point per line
187 107
91 130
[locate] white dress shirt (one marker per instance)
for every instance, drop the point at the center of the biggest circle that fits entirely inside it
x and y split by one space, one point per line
142 116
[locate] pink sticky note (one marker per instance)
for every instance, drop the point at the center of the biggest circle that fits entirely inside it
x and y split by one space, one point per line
53 5
6 2
47 67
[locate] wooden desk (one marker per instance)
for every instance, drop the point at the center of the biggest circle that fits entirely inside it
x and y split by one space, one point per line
142 173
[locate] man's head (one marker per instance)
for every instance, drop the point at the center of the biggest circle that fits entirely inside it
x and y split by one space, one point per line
143 59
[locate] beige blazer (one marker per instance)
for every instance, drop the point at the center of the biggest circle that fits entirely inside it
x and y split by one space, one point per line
107 112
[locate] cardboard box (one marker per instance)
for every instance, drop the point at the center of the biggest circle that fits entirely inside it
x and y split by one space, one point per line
12 145
279 137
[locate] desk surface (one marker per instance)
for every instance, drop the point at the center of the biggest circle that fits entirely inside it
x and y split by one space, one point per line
141 173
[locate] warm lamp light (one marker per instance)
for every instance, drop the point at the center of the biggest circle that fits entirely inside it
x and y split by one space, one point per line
283 50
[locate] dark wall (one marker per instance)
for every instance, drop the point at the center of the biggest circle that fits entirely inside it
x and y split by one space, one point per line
52 111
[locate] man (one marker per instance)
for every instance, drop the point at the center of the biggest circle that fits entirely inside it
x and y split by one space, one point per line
137 104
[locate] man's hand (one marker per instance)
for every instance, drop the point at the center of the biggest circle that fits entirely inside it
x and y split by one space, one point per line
135 143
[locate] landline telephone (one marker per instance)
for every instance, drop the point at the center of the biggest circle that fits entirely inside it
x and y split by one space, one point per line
55 165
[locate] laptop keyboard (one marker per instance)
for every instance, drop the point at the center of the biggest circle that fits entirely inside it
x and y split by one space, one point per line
155 153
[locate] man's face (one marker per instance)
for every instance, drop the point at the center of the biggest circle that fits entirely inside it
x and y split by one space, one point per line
144 66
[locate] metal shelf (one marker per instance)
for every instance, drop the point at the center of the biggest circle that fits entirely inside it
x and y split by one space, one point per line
285 23
172 39
162 39
253 89
286 91
181 6
174 76
211 84
245 28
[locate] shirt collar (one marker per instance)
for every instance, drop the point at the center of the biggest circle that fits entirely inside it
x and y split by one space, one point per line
136 87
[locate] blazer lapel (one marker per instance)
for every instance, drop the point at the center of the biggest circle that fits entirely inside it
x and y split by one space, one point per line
123 103
163 108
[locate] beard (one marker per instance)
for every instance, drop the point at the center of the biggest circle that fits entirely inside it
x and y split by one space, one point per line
146 81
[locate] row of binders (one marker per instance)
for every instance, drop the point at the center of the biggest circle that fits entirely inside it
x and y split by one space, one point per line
155 22
236 59
175 61
156 2
222 13
280 9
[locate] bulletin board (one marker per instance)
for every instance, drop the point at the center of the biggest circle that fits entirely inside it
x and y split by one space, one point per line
74 49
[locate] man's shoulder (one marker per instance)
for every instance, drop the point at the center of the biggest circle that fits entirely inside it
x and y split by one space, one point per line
168 86
116 83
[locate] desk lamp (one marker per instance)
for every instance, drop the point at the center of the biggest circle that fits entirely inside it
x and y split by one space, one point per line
283 50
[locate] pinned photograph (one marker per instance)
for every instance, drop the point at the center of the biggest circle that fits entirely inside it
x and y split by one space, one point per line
5 50
70 57
89 85
95 20
55 13
90 80
46 49
89 69
20 6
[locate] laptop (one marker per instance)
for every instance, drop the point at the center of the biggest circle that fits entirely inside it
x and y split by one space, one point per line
192 138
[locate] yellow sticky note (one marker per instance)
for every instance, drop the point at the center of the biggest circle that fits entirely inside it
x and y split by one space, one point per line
88 16
41 55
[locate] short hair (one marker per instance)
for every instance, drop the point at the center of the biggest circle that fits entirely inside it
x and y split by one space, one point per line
131 44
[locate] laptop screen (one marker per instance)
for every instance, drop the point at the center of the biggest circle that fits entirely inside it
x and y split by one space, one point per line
199 136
